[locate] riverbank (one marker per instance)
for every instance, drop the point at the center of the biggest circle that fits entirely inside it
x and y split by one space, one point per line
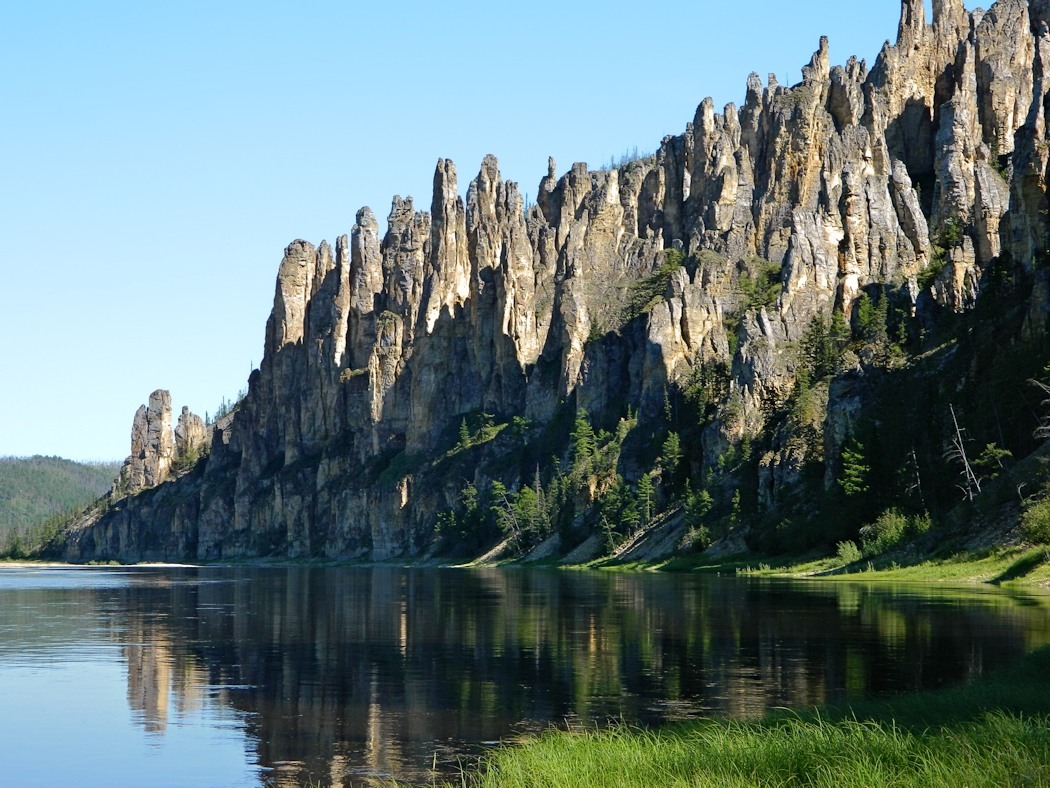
1007 566
1002 566
995 731
19 564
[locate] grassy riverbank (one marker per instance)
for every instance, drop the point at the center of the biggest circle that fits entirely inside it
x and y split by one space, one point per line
995 731
1007 566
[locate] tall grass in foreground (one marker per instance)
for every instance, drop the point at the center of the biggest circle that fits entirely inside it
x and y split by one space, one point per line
995 732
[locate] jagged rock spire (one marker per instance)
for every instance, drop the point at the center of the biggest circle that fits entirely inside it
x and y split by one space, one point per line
152 445
912 26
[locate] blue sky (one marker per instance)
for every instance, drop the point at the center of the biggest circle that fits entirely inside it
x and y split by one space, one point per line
155 159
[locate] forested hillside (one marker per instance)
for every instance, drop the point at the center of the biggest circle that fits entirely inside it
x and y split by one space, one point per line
34 488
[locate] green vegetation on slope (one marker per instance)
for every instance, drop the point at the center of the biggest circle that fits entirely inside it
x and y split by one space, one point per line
995 731
37 495
34 488
1015 565
902 435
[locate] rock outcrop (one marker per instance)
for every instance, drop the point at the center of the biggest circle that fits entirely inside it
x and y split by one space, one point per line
913 177
192 436
156 449
152 446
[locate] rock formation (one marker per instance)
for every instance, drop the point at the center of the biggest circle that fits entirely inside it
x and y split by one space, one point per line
155 447
152 445
913 176
192 435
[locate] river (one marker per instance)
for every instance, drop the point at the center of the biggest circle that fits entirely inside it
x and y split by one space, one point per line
352 675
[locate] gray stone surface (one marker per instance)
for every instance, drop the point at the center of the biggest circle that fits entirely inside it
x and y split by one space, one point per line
484 304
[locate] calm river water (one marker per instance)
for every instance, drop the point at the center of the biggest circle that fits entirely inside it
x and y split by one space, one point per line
274 676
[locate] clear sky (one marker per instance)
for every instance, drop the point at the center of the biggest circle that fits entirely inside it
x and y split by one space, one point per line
156 158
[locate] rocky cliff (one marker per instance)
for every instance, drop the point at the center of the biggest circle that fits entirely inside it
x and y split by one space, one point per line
701 267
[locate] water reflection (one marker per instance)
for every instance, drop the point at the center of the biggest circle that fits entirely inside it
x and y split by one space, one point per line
346 675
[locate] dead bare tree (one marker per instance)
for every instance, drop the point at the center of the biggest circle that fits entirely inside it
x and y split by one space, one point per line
917 486
971 484
1043 430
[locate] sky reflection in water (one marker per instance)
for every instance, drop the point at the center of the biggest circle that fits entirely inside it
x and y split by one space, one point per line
239 676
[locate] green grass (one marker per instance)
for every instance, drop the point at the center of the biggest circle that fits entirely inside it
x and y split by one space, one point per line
995 731
1009 566
1000 566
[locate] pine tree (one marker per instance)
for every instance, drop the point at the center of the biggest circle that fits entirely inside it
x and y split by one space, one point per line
697 505
819 350
498 503
526 512
992 460
839 334
645 498
629 514
583 442
864 316
543 513
872 318
854 479
671 453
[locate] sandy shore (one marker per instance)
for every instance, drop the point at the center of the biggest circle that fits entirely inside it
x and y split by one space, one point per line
60 565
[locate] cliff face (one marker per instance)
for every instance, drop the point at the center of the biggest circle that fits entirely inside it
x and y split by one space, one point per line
913 177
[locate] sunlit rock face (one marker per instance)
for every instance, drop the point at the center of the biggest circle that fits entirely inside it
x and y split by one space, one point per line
152 445
156 447
913 174
191 434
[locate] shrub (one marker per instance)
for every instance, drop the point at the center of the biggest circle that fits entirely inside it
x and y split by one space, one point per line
921 523
884 534
696 539
763 289
928 275
1035 522
848 552
890 529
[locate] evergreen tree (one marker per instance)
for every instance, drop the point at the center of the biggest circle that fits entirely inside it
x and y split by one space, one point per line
629 515
498 502
583 441
992 460
821 345
645 498
697 505
838 333
468 496
864 316
542 505
745 448
872 318
671 453
854 479
735 511
526 513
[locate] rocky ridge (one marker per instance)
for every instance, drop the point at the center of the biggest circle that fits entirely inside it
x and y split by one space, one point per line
915 176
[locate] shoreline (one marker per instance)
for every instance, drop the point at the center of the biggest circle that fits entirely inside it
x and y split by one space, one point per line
1009 566
65 565
1022 567
989 732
